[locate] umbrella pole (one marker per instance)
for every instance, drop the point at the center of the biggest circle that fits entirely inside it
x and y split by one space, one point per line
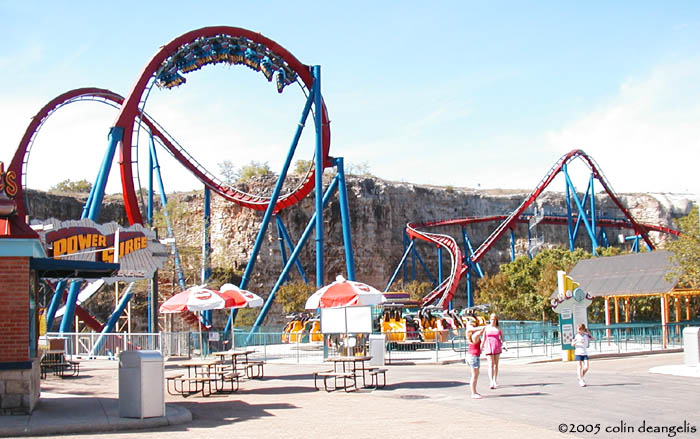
201 343
233 334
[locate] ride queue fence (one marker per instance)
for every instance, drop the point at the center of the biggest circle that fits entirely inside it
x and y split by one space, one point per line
523 340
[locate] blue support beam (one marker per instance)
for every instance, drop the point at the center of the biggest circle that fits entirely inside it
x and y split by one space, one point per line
91 210
285 235
318 119
206 249
293 257
401 264
113 319
345 218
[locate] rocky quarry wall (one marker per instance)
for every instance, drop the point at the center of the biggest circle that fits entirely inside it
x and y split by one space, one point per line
379 212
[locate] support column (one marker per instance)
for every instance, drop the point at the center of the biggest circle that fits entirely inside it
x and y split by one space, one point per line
617 310
627 309
607 318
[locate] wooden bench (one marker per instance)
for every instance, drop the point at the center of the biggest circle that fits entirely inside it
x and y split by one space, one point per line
374 375
229 377
171 379
200 384
250 368
346 376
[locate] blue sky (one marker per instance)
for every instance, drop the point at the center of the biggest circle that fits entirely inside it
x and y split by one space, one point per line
467 94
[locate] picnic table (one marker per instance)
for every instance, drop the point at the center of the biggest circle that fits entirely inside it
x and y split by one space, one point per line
349 368
240 361
200 374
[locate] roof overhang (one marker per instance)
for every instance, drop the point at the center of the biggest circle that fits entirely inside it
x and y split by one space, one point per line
60 268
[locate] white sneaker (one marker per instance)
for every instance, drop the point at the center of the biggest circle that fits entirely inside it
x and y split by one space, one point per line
582 383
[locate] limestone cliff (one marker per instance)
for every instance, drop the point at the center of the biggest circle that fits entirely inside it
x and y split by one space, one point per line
379 211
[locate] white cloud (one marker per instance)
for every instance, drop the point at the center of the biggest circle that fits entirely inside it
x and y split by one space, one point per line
647 137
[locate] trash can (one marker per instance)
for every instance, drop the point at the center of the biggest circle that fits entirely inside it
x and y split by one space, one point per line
377 345
691 345
141 384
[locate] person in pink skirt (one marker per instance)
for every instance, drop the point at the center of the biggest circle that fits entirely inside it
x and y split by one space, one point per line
492 345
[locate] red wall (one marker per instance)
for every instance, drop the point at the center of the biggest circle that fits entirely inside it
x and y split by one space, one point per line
14 309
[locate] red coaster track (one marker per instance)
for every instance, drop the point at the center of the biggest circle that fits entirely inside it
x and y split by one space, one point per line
444 292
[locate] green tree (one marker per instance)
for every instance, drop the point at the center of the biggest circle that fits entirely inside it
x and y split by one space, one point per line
81 186
521 289
292 296
301 167
685 251
255 169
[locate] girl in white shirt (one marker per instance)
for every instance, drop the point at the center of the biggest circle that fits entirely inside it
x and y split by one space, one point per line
580 343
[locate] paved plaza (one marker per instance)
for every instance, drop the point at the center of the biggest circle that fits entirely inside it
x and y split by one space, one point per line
535 400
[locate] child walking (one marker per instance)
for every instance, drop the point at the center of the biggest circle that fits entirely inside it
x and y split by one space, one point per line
473 354
581 343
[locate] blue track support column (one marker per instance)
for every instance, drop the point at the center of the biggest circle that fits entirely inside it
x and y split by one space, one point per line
592 189
149 210
168 225
280 240
470 251
206 246
414 271
345 219
318 120
290 244
293 257
113 319
439 262
512 245
92 211
401 264
55 303
569 220
582 214
470 293
275 194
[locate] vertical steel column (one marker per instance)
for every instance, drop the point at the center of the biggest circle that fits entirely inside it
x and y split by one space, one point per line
168 225
470 251
276 192
318 120
439 262
345 218
113 319
470 293
512 245
290 244
293 257
92 211
280 240
401 264
206 246
149 209
592 204
582 214
569 220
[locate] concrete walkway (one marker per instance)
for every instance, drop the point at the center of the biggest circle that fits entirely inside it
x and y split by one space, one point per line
533 401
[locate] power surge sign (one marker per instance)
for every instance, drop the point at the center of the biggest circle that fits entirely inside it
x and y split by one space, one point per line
138 251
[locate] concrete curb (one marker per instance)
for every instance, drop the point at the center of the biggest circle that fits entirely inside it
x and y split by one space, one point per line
174 415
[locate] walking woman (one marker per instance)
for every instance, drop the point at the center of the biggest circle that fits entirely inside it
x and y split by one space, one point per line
581 341
493 346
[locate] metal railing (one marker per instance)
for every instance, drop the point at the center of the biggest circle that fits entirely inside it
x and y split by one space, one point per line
523 340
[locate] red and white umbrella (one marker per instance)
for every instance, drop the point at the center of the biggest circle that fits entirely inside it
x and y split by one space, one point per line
344 292
195 299
240 298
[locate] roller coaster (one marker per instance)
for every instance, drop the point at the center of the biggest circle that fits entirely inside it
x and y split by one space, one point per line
464 261
235 46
